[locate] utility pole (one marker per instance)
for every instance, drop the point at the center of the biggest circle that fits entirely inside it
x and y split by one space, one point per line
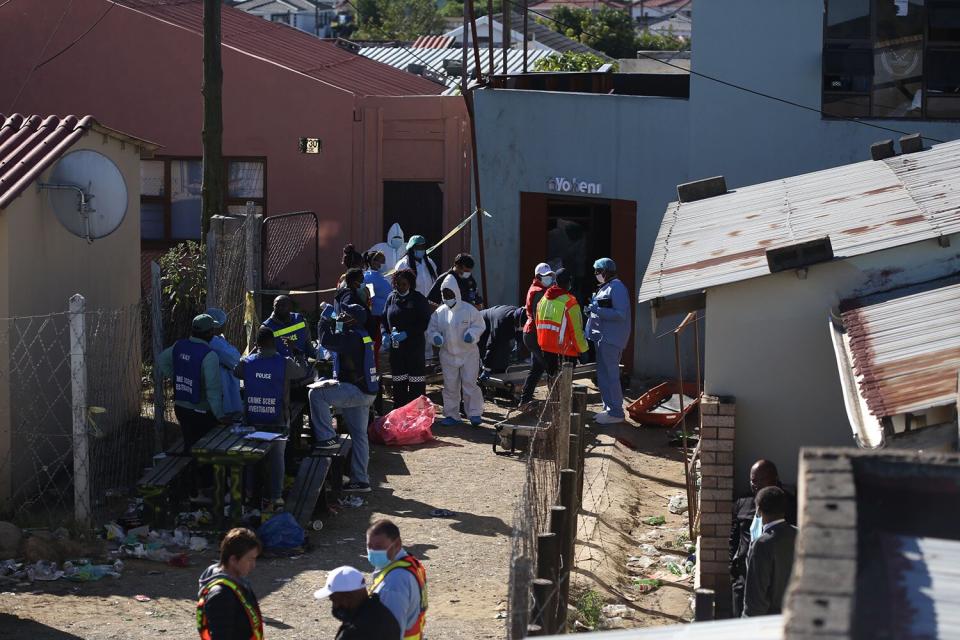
213 182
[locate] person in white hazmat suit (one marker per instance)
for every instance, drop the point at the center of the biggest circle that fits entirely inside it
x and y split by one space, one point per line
393 249
455 327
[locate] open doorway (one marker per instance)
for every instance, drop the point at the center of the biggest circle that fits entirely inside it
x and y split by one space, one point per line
577 232
417 207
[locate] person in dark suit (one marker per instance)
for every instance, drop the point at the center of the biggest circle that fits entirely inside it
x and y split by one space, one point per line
770 559
496 343
747 526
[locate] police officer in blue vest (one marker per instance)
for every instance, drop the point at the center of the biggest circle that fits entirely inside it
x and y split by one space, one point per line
266 379
353 389
290 330
195 370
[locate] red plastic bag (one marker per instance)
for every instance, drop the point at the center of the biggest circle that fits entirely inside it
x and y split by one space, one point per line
409 424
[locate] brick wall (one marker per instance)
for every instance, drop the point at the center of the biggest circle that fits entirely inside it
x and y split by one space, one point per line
715 499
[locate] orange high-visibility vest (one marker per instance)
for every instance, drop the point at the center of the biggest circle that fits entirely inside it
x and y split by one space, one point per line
416 569
558 331
253 614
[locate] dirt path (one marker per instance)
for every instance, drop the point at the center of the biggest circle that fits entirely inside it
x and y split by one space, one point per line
466 557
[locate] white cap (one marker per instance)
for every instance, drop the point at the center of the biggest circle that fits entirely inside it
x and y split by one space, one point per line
543 269
340 580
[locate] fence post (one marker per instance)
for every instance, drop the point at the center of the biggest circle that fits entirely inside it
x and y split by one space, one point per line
563 414
568 485
156 332
251 260
520 601
703 605
78 388
545 609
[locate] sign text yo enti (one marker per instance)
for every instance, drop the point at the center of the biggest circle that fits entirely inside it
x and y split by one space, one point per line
560 184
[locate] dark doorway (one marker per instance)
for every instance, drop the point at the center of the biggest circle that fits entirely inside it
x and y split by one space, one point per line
577 232
417 207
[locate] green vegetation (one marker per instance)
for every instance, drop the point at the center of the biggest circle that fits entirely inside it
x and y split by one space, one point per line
590 607
184 285
570 61
396 19
611 31
647 41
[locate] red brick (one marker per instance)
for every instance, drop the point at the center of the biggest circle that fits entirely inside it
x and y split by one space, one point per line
720 471
726 434
709 407
716 445
711 531
708 483
727 409
718 421
725 483
714 543
708 457
708 506
716 518
708 433
715 567
707 554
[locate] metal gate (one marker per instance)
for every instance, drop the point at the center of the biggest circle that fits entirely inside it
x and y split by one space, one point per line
290 254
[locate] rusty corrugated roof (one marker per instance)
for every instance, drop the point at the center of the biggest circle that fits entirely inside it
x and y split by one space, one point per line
906 349
863 207
30 144
292 49
433 42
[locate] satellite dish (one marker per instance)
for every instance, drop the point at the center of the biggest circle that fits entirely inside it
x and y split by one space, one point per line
88 194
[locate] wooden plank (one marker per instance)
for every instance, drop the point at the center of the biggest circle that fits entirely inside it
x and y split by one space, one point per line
308 487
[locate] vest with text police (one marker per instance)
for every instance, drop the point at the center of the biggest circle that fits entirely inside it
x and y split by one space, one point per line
345 367
263 382
295 331
188 370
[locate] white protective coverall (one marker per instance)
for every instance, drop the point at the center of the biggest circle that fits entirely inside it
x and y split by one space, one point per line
424 284
392 254
459 360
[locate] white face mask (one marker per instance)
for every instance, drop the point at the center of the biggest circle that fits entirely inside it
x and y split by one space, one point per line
466 274
546 280
396 243
451 302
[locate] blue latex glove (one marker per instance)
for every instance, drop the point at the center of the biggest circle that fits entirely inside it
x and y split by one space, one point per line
467 337
592 308
399 336
328 312
438 340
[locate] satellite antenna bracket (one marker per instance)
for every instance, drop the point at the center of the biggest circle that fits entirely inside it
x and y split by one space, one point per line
84 207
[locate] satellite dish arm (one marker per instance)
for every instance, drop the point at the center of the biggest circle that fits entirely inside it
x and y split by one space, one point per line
83 208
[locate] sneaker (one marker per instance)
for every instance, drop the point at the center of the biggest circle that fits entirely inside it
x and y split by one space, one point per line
476 420
449 422
332 443
606 418
357 487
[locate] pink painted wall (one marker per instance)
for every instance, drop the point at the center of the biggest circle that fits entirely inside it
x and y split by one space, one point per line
142 76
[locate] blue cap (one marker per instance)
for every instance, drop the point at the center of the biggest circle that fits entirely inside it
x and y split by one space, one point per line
606 264
414 241
219 317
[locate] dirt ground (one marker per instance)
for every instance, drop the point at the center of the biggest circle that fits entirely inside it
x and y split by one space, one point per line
466 556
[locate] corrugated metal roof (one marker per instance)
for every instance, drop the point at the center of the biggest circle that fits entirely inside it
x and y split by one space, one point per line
924 587
292 49
30 144
401 57
862 207
906 350
550 38
759 628
433 42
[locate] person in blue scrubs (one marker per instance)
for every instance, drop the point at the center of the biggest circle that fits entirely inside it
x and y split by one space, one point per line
608 327
229 356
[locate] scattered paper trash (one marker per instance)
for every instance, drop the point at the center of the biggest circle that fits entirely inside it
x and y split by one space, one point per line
678 504
43 571
142 598
198 543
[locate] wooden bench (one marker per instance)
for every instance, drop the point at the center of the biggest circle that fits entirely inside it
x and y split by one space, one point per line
161 484
308 488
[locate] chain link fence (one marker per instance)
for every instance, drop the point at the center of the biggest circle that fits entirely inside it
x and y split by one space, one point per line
72 434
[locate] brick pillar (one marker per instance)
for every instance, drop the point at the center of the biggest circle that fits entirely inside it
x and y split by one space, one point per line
715 499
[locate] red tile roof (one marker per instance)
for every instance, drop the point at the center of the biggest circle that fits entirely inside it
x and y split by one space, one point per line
292 49
433 42
30 144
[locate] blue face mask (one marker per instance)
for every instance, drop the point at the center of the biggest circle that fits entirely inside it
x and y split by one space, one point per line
378 558
419 253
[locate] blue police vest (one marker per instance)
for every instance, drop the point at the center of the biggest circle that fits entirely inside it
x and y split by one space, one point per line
263 382
188 370
370 377
295 331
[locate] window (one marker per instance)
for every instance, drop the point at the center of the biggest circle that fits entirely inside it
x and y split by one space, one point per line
892 58
170 195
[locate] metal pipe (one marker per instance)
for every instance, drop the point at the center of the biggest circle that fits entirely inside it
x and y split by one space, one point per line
526 17
507 36
490 36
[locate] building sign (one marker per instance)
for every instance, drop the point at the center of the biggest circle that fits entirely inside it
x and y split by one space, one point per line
560 184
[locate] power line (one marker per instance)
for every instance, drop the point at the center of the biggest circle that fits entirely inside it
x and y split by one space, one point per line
36 66
736 86
81 36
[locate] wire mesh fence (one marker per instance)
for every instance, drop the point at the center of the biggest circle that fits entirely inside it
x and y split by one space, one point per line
230 278
72 433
